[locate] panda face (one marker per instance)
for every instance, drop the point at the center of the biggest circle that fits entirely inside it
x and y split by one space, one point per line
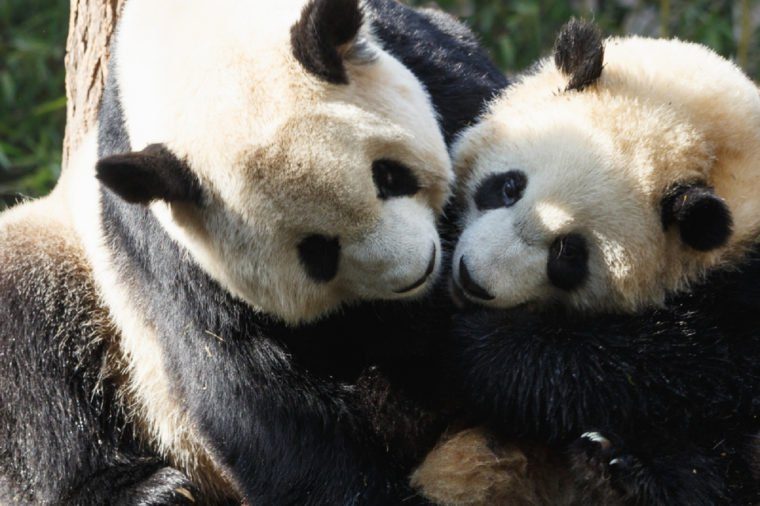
548 216
318 185
607 184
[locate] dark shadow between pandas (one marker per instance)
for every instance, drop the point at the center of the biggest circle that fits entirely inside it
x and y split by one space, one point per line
257 167
611 216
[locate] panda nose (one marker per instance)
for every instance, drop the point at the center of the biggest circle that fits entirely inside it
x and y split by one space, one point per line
469 286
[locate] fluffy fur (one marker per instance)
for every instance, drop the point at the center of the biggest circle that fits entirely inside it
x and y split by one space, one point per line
644 369
599 162
170 361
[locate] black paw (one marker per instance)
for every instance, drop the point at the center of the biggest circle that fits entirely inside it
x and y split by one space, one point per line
599 460
165 487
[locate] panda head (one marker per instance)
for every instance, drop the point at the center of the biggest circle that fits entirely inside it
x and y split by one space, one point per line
614 174
299 164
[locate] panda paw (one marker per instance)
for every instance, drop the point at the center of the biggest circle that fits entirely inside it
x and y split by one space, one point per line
598 462
166 487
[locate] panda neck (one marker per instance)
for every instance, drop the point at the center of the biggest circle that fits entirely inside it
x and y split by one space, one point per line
171 290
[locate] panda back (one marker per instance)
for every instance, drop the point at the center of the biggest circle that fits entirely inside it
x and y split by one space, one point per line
444 54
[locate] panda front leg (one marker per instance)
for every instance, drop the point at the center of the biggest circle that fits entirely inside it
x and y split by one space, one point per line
284 436
600 460
141 482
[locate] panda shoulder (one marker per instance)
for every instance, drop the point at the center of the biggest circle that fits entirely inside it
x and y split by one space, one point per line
42 264
451 26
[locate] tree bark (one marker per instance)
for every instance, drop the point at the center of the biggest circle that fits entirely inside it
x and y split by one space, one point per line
91 28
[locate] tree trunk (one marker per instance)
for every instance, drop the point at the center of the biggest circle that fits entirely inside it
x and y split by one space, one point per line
91 28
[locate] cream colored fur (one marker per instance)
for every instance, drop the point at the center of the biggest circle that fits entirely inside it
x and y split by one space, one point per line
154 408
52 236
282 155
472 468
598 162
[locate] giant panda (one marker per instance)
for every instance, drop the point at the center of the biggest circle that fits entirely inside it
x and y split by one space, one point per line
257 168
608 267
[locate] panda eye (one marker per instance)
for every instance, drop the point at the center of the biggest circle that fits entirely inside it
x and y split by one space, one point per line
568 262
501 190
393 180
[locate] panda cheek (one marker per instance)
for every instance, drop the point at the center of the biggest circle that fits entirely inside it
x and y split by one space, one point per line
320 257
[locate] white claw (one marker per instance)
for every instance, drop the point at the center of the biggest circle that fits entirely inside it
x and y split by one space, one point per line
597 438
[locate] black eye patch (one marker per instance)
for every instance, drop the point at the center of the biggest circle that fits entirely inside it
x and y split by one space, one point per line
567 267
501 190
393 179
320 256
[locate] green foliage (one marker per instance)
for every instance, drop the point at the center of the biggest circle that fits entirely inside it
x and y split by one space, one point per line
33 34
518 32
32 98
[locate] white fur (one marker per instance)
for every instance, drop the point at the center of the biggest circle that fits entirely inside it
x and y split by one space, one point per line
598 163
156 410
281 154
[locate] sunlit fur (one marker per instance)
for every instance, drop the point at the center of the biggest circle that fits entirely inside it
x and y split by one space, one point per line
599 161
281 154
171 327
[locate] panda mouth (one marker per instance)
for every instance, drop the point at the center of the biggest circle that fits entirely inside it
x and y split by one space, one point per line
424 278
469 286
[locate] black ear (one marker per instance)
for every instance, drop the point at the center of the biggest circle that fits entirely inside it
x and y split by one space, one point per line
148 175
703 218
579 53
323 34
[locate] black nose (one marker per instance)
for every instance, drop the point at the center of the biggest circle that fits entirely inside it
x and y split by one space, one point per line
469 285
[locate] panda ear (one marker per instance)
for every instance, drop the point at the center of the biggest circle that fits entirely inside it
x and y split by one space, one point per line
152 174
703 219
579 53
324 35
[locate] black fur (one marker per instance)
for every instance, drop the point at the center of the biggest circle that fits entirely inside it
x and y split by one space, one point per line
444 55
324 27
393 180
676 389
579 53
703 219
151 174
500 190
64 436
291 399
320 257
273 422
333 413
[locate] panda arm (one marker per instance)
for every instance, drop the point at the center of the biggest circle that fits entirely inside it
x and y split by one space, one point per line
286 437
674 382
671 475
64 438
692 361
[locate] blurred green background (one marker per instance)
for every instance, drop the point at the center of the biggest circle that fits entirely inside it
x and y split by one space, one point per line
33 35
